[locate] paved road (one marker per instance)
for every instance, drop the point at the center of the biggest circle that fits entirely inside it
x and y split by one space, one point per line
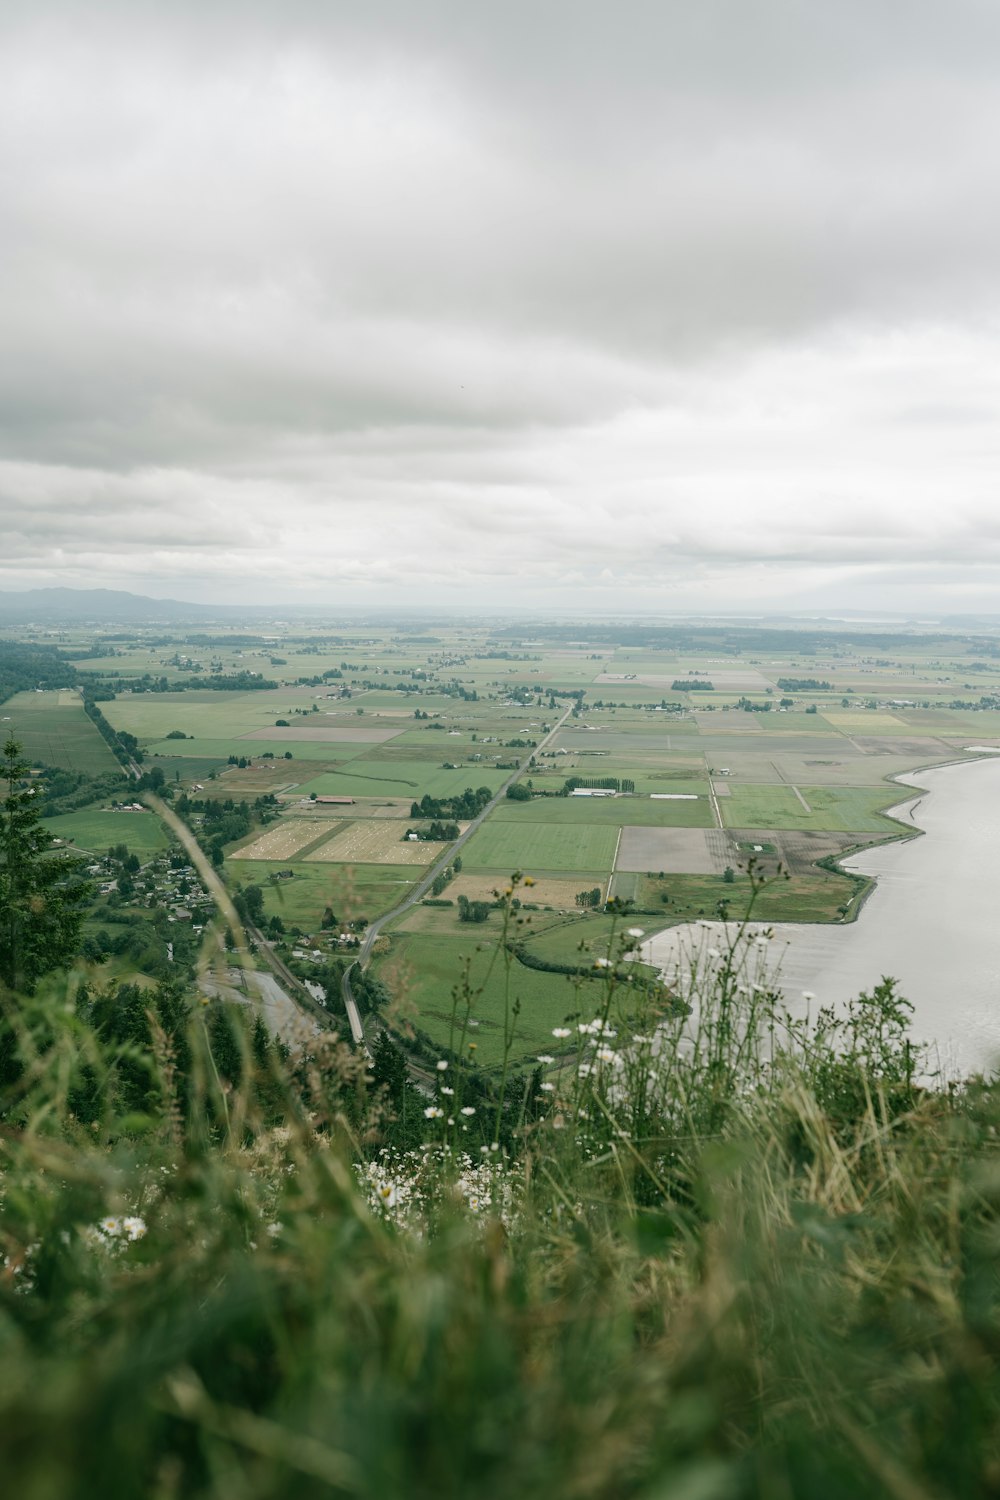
420 890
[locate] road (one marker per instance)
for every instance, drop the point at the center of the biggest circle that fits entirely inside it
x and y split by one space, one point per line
420 890
304 1005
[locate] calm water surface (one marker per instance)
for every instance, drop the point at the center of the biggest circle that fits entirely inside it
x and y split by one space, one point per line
932 922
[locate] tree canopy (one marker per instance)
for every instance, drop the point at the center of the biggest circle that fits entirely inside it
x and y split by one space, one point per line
42 894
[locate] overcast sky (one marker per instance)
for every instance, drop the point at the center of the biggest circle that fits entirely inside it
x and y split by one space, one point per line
643 305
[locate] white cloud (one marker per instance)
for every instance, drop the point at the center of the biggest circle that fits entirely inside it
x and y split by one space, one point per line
513 305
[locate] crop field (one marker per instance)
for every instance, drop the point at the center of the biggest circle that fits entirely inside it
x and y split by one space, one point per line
688 850
541 846
96 829
379 842
286 838
53 730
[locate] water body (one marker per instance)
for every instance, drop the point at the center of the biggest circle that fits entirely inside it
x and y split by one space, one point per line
932 922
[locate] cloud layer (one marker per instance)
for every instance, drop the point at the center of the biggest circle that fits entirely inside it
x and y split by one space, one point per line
643 306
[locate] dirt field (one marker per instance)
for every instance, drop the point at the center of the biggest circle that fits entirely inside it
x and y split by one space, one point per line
798 849
375 842
677 851
546 891
284 839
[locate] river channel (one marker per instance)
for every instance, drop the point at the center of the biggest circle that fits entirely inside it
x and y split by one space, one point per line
932 922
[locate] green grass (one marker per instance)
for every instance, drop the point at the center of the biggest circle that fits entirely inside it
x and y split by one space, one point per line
838 809
423 971
353 891
53 730
637 811
815 897
97 830
534 846
412 780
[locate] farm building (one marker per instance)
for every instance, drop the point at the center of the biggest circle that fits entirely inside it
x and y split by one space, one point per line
336 801
593 791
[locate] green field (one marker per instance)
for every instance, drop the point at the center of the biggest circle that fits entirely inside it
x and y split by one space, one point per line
422 972
97 830
814 897
415 779
353 891
841 809
53 730
642 812
541 846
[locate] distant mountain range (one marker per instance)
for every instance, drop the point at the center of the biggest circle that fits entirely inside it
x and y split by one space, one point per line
111 606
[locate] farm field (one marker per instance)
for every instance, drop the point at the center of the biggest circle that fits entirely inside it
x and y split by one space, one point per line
557 891
379 842
53 730
415 779
618 811
850 809
394 706
97 830
541 846
286 839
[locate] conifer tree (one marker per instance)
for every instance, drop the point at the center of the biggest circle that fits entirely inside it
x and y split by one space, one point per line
42 895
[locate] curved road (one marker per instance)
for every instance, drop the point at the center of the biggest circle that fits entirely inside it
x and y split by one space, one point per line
424 884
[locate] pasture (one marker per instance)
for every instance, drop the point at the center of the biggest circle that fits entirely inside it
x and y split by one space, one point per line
538 846
849 809
98 829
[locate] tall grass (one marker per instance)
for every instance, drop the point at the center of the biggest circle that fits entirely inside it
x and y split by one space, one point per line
728 1255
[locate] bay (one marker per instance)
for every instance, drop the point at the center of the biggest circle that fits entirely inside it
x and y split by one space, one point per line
932 923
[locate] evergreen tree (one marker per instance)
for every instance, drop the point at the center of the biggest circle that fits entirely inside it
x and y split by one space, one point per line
42 895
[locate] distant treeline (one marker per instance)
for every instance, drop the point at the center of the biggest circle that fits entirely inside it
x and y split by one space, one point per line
24 666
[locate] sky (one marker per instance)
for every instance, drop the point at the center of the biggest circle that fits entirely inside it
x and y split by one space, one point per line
632 307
